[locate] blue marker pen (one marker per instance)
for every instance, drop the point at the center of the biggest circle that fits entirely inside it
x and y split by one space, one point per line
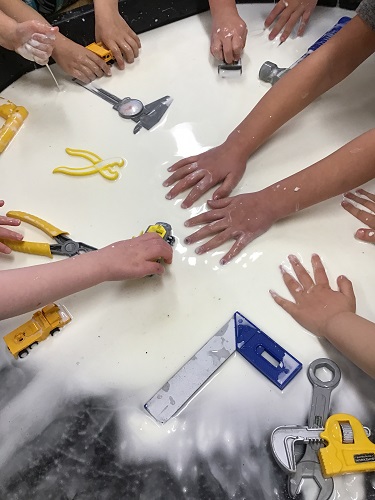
271 73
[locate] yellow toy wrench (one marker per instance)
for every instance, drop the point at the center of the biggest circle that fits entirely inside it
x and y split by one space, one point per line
349 450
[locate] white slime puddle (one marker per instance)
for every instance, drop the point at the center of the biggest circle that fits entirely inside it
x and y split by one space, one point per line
127 340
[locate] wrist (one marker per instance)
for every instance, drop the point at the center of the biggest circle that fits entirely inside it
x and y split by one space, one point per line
238 146
8 36
336 324
221 9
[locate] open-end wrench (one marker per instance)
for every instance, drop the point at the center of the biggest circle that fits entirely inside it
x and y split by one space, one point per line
309 466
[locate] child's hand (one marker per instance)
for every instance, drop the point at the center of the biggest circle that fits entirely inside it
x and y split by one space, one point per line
35 41
241 218
288 13
228 37
78 61
316 304
367 200
117 36
200 173
135 258
7 233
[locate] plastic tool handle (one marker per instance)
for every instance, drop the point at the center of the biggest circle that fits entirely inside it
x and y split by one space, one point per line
36 222
14 120
28 247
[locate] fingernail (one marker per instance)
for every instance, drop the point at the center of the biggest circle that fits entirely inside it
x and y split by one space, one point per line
273 293
187 241
168 196
222 262
198 251
183 205
360 233
165 183
19 237
293 257
169 169
282 269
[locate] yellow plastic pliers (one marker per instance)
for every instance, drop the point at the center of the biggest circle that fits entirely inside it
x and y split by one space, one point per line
65 245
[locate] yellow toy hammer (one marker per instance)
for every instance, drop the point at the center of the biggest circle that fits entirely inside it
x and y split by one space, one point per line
349 450
14 117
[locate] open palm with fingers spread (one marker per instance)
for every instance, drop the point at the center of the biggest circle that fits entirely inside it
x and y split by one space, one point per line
316 304
287 13
202 172
241 218
367 200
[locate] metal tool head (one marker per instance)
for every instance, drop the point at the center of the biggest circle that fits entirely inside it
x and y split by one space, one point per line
152 114
283 440
311 470
232 70
308 466
189 379
324 363
270 73
69 248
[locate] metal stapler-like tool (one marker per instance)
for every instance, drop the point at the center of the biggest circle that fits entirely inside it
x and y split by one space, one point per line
144 115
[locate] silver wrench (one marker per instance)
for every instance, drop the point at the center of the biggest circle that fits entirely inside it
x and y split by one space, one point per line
309 466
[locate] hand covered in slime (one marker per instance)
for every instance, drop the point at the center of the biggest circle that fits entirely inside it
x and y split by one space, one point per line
35 41
287 13
242 218
202 172
367 200
228 37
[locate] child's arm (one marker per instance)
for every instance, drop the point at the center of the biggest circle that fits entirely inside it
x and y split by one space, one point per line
245 217
74 59
26 289
367 200
115 33
319 72
329 314
228 32
287 13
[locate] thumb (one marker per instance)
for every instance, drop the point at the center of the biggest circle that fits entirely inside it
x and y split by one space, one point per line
345 286
224 190
220 203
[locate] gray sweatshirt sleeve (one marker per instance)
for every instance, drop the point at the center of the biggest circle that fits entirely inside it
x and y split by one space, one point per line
366 12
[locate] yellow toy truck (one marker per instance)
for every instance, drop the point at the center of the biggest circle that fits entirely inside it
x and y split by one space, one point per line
43 323
100 50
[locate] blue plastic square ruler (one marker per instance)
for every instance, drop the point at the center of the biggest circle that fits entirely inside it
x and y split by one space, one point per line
238 334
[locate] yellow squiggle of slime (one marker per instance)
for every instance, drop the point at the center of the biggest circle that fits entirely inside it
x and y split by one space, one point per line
98 165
